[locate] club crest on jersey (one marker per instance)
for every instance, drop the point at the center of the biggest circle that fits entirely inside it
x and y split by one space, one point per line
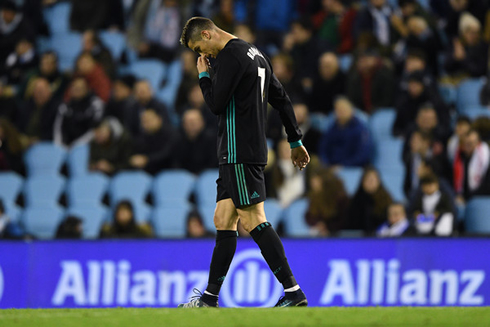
252 52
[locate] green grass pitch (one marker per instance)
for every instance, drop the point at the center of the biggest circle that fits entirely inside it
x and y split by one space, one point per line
289 317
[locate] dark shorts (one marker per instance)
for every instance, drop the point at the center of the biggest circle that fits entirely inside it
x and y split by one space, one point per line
243 183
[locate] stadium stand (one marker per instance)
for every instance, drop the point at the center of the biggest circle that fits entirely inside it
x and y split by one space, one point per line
172 187
44 159
170 221
476 220
42 222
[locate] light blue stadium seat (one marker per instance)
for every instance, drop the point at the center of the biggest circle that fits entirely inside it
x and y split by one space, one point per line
42 222
477 218
115 42
475 112
58 17
13 211
44 159
294 219
43 191
207 215
129 185
448 93
381 123
10 186
68 46
351 176
77 160
92 217
345 62
171 221
468 93
388 154
173 187
87 190
393 182
150 69
273 212
168 93
320 122
205 190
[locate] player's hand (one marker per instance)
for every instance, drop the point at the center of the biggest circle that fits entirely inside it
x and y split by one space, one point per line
300 157
203 64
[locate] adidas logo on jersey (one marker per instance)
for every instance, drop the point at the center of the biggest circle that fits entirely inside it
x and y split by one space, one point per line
255 195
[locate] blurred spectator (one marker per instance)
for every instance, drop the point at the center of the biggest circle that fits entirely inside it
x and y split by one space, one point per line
288 183
378 18
430 167
155 29
97 79
335 24
225 17
189 78
419 150
4 220
422 37
9 108
433 210
283 67
48 69
328 84
305 49
70 228
92 44
370 85
415 61
146 100
311 136
195 226
368 207
123 105
481 124
77 117
96 15
11 147
463 126
347 142
21 61
124 224
13 27
470 169
195 99
39 112
195 147
245 32
110 147
153 150
418 94
397 223
328 203
457 10
468 55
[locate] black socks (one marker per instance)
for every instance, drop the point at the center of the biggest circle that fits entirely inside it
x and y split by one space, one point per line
273 251
220 263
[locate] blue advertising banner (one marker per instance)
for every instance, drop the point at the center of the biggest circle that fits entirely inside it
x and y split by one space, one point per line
163 273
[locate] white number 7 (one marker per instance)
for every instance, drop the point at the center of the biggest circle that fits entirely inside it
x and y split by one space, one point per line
261 73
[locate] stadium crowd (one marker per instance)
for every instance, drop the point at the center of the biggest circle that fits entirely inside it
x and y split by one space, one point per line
343 63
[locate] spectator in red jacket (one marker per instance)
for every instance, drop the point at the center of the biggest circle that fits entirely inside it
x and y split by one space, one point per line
95 76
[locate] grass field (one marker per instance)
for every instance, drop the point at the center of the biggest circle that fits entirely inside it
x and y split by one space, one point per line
294 317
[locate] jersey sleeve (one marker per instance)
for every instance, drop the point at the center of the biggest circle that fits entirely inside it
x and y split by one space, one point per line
218 91
280 101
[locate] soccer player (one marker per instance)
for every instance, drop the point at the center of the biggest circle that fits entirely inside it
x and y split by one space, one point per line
237 90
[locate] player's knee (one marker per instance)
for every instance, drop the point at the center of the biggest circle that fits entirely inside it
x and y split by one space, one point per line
224 223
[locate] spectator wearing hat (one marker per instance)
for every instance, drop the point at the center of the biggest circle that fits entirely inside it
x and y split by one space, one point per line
418 93
370 85
123 105
13 27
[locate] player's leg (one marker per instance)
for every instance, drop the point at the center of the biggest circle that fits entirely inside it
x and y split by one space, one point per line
225 221
254 221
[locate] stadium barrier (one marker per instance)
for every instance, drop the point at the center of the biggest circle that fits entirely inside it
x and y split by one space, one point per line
163 273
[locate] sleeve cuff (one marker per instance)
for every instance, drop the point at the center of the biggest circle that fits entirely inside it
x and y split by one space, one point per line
204 74
295 144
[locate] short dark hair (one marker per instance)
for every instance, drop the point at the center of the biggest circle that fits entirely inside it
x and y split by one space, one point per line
193 27
429 179
463 119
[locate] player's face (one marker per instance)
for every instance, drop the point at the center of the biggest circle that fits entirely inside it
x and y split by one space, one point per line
204 48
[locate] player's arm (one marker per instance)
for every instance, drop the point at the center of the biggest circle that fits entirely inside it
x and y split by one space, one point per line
280 101
218 91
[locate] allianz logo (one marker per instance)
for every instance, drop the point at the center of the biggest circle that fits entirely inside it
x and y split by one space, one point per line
377 282
110 283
